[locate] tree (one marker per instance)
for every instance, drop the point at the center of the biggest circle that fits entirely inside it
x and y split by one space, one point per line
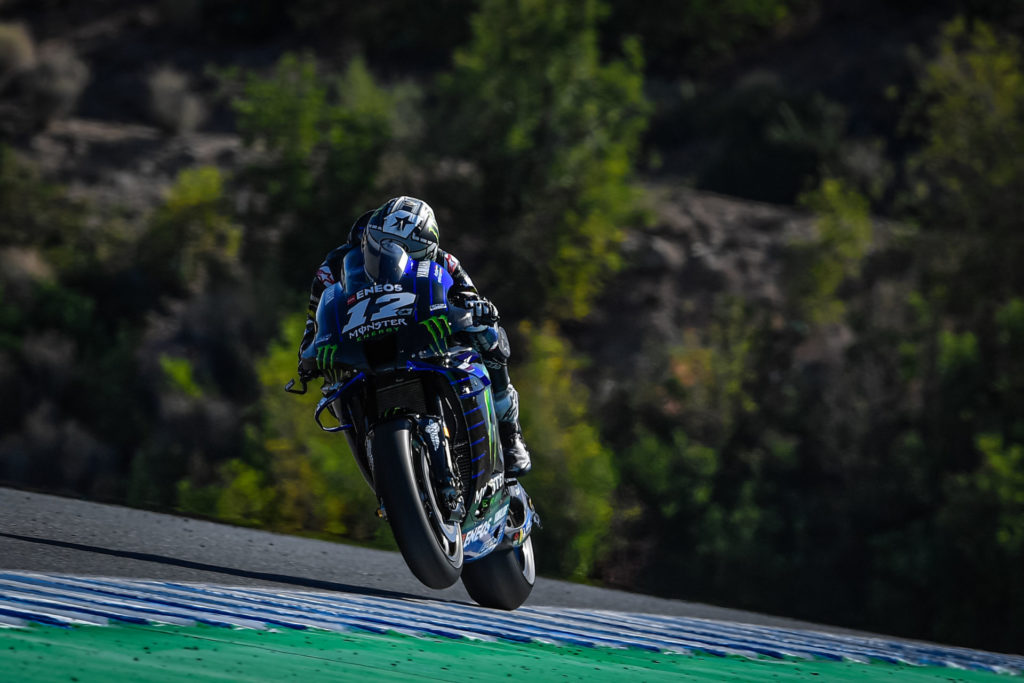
553 133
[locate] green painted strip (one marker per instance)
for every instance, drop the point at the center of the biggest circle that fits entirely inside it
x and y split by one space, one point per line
151 653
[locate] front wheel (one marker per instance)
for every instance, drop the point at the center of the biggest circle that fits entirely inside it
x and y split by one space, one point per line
431 545
502 579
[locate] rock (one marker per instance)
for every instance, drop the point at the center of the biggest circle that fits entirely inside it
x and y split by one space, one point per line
700 248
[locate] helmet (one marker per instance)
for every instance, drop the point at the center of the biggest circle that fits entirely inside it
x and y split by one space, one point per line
407 221
387 264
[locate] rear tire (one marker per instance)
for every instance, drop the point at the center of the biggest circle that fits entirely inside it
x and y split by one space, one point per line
503 579
431 546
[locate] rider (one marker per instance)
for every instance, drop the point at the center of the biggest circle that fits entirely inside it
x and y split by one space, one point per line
410 222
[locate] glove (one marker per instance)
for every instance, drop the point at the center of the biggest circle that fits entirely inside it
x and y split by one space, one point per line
307 371
484 312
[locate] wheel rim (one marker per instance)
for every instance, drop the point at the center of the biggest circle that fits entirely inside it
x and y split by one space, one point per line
524 556
447 534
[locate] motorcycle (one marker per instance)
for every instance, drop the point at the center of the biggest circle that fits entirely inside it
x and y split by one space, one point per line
403 382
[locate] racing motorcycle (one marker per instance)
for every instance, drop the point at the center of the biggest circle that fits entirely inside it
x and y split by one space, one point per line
403 382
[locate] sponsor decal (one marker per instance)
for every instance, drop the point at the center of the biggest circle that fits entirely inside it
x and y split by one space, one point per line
439 329
487 530
494 485
375 328
400 223
431 229
434 432
438 307
381 312
325 276
424 269
477 533
451 263
377 289
325 356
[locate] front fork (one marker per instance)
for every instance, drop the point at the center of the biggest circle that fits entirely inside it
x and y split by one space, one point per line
435 438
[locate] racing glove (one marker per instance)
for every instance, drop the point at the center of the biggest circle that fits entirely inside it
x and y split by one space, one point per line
485 313
307 371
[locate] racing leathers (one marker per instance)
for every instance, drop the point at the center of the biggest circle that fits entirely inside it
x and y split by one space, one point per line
486 334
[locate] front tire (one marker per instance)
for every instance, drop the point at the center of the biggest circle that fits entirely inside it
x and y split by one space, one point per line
431 546
503 579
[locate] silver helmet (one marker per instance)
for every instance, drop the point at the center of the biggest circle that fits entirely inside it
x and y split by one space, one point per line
407 221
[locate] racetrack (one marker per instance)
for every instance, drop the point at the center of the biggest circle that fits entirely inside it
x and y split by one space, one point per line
187 598
44 533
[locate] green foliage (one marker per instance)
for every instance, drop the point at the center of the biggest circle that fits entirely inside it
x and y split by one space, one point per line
968 175
674 479
1000 482
553 132
320 137
192 243
971 166
572 480
817 268
178 372
957 352
293 477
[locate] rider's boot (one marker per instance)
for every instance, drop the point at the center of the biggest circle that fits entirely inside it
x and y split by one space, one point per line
495 352
517 457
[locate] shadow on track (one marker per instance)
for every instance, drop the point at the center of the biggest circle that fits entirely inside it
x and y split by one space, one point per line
201 566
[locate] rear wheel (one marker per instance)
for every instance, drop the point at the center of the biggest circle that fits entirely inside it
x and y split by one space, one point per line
502 579
430 544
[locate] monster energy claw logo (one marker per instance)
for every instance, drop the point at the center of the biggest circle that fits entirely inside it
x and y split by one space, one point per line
325 355
439 329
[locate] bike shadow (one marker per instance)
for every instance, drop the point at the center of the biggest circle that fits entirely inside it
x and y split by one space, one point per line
271 577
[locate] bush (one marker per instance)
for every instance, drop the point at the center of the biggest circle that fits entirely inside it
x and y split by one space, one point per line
292 477
967 179
192 243
572 480
815 269
320 139
553 133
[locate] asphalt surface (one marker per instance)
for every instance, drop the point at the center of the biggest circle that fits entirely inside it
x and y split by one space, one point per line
46 533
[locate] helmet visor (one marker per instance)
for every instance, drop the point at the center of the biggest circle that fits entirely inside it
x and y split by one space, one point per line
384 260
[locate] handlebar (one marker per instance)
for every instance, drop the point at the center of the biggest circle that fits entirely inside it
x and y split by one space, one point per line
291 383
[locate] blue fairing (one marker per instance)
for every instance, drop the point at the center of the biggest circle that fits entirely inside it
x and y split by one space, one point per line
372 327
